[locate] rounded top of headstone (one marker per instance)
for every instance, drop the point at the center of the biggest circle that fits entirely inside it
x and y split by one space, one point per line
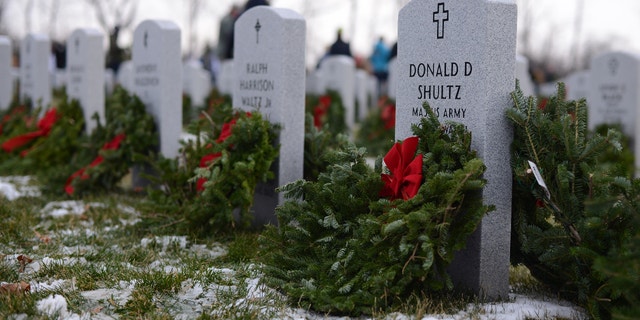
87 31
159 24
623 54
37 36
338 59
283 13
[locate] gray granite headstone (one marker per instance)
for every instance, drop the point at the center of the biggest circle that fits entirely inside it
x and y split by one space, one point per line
614 97
85 73
35 81
269 59
339 74
577 85
157 81
460 57
6 78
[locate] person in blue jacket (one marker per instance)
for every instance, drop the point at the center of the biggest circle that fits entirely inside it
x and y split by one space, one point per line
379 60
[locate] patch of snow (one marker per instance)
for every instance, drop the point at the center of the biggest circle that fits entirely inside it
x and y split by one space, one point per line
165 241
77 207
68 261
190 291
55 306
119 295
77 250
215 252
159 265
44 286
225 271
524 307
14 187
58 209
78 232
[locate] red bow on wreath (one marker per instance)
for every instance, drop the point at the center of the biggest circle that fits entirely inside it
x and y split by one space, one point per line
388 116
206 160
114 144
321 110
44 127
406 171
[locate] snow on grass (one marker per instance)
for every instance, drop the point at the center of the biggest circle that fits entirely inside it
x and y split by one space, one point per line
15 187
218 290
56 306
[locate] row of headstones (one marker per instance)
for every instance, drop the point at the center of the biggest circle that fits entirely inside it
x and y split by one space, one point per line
611 87
458 56
85 76
356 87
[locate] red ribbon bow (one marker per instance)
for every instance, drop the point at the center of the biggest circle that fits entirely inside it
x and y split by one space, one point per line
44 127
388 116
406 174
114 144
321 110
206 160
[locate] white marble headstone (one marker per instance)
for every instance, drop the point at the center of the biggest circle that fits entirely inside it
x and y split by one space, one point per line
226 77
362 84
392 82
157 81
6 77
460 57
269 60
125 75
339 74
85 73
109 81
35 80
196 82
614 95
522 74
314 83
577 85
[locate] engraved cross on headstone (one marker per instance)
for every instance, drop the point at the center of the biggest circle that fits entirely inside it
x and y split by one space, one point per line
439 17
613 66
146 35
258 26
76 43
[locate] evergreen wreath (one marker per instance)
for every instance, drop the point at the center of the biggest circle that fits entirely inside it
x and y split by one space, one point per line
579 210
41 146
376 132
236 161
213 182
342 247
328 112
129 137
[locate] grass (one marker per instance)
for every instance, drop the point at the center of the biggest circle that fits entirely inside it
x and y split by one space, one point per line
112 258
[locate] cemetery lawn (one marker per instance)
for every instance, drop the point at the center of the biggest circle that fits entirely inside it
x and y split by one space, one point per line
111 256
